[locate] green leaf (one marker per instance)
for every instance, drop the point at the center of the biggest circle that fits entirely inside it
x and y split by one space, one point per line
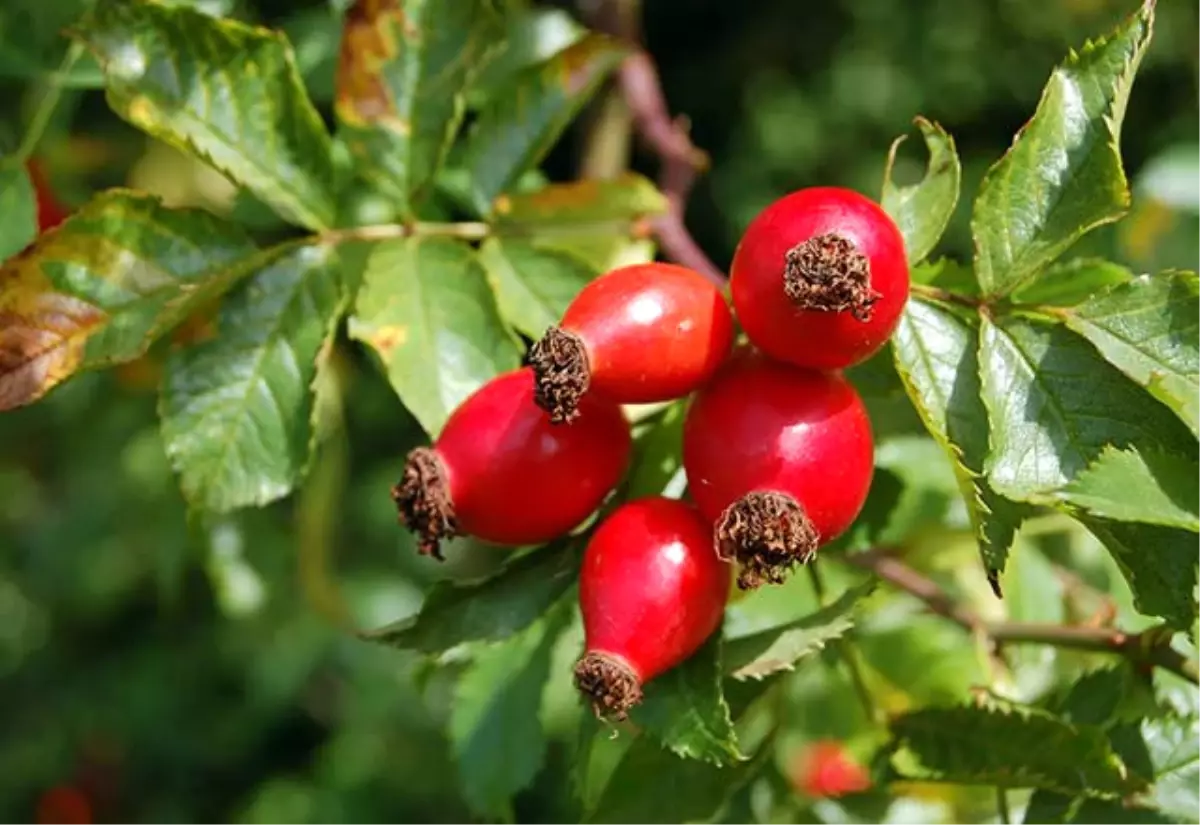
923 210
1048 807
1063 174
1068 283
1173 744
1144 486
516 131
765 653
227 92
935 350
426 310
622 199
118 274
533 285
401 82
18 211
686 710
237 410
1148 328
1054 405
487 610
495 725
532 34
658 454
1159 563
1011 747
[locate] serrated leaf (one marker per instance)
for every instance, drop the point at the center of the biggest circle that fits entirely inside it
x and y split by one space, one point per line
1143 486
426 310
402 75
1010 747
1148 328
487 610
1063 175
1054 404
1103 698
1047 807
1068 283
515 132
935 351
18 211
685 708
625 198
533 285
237 410
225 91
923 210
495 725
103 286
1173 745
1160 564
762 654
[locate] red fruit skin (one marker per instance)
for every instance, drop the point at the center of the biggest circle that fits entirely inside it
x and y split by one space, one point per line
50 213
514 477
811 338
652 590
762 425
825 769
653 332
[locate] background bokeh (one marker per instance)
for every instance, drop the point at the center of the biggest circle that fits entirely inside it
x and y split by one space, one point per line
166 668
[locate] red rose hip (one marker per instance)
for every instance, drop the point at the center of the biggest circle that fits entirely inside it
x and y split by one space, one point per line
826 769
651 591
501 472
639 334
820 278
779 458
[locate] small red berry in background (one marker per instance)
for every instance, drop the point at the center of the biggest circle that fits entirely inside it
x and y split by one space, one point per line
63 805
820 278
824 769
779 458
50 213
639 334
500 471
651 591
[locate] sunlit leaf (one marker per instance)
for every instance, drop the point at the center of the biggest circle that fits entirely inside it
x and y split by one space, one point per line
923 210
1063 175
533 285
103 286
237 410
426 310
228 92
1144 486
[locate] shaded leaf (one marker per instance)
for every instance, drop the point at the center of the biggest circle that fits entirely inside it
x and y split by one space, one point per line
495 724
923 210
1144 486
18 210
1071 282
237 410
426 310
1148 328
402 74
625 198
1054 405
1159 563
658 455
935 350
228 92
103 286
533 285
1048 807
516 131
487 610
685 708
1063 174
1011 747
770 651
532 34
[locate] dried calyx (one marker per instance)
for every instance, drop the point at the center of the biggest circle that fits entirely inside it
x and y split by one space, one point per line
609 683
767 533
422 498
561 374
827 273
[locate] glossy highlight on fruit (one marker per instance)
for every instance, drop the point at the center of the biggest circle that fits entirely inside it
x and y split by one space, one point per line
779 458
651 592
500 471
639 334
820 278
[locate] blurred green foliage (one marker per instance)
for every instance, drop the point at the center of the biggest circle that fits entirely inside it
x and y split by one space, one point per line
178 669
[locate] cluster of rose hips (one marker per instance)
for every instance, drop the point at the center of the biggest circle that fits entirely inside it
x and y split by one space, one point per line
777 445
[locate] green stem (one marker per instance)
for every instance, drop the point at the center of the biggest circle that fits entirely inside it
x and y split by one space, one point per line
47 105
